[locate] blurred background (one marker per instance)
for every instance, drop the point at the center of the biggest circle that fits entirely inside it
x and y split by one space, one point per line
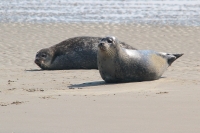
178 12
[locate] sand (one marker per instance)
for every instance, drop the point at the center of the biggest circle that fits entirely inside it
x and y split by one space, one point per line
79 101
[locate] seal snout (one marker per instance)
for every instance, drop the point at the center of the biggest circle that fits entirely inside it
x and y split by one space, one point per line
37 61
102 46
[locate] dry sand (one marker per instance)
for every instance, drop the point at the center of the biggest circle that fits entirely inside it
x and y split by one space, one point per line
79 101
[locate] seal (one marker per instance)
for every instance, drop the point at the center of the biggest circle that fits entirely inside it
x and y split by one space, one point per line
118 64
73 53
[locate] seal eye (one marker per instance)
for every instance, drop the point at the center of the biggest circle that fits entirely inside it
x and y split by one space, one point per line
110 40
44 55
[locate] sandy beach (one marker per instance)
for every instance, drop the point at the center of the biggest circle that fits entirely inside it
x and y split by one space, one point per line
32 100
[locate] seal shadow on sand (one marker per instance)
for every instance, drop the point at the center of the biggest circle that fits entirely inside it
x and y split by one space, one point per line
33 70
99 83
88 84
42 70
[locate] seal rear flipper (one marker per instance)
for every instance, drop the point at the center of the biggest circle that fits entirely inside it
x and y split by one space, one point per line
177 55
173 57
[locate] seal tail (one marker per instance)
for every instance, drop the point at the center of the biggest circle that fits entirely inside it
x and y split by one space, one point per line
173 57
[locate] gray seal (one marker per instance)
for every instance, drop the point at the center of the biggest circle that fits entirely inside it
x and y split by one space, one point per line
73 53
118 64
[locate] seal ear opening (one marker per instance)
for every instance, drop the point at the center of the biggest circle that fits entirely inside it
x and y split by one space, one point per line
173 58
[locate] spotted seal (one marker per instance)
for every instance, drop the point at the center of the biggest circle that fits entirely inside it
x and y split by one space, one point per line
118 64
73 53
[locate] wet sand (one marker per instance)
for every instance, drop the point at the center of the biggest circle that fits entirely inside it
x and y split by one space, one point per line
32 100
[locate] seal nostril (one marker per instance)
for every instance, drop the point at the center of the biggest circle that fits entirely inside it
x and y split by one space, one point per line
37 61
101 44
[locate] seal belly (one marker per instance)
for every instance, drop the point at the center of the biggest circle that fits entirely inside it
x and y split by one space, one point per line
157 65
141 65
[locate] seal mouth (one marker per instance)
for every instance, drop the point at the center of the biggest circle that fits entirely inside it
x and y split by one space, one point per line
37 61
102 47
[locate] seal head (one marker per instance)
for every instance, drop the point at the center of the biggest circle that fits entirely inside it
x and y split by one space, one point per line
44 58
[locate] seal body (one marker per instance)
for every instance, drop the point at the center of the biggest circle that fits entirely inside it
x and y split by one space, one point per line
118 64
73 53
